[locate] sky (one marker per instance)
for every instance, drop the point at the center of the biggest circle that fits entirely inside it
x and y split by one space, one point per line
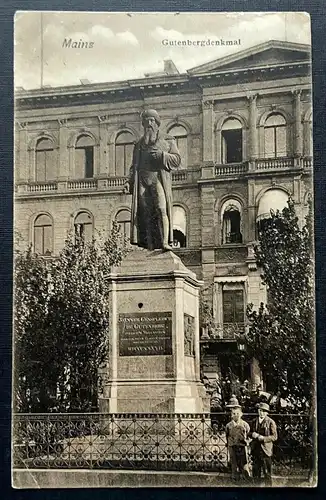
126 46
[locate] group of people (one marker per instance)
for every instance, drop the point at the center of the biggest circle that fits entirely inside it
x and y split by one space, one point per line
220 392
259 435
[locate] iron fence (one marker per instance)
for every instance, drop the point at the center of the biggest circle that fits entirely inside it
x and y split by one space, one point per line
148 441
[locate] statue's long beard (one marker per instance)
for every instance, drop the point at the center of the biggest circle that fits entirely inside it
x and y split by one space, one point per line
150 136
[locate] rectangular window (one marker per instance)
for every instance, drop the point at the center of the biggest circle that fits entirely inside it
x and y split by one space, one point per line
43 240
275 142
280 141
233 306
84 231
269 143
38 240
50 165
40 166
231 146
84 162
46 167
80 160
119 160
88 232
125 229
89 162
47 240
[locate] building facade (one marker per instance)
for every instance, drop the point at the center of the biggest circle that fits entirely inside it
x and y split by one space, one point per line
243 125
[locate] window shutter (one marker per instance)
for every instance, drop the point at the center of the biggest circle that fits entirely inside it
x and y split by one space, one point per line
233 306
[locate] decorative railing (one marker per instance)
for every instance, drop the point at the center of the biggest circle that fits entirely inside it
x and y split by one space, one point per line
273 163
307 162
42 187
82 184
148 441
225 331
231 169
186 176
115 181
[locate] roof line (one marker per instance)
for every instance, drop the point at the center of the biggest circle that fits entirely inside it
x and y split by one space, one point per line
122 85
251 51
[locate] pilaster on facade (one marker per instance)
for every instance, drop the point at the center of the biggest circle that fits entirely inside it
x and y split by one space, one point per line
102 154
297 189
208 130
64 167
253 132
251 226
298 137
21 153
207 215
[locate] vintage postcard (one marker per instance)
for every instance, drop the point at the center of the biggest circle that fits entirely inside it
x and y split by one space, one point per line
164 330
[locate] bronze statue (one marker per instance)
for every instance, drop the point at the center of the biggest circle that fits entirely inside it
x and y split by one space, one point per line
150 184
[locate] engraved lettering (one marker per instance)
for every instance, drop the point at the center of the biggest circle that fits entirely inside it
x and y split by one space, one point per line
145 335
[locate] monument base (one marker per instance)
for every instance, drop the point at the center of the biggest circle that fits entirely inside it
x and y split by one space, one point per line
154 337
156 397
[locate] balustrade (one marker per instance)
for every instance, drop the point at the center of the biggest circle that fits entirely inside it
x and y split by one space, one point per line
273 163
231 169
40 188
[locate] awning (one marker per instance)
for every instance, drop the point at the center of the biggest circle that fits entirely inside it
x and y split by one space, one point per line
273 199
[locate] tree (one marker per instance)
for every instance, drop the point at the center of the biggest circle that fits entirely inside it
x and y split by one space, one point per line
281 332
35 359
61 324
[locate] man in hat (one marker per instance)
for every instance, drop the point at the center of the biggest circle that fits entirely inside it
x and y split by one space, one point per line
263 434
237 431
150 184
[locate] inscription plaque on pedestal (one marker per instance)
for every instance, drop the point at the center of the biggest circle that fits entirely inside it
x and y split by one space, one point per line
145 334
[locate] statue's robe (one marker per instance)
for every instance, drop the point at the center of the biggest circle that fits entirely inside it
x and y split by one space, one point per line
171 160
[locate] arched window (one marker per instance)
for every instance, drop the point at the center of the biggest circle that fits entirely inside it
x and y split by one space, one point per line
123 219
231 141
43 235
84 157
45 160
231 222
273 199
84 226
181 138
179 227
275 136
124 146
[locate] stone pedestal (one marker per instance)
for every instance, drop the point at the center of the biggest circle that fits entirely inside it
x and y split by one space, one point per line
154 337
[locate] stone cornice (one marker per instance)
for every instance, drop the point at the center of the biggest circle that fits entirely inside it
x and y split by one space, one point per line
188 277
135 89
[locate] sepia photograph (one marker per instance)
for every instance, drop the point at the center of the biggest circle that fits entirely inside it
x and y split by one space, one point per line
164 294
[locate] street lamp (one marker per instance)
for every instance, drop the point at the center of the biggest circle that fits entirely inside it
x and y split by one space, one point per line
242 348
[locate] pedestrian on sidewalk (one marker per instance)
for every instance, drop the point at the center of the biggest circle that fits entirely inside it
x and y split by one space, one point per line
263 433
237 431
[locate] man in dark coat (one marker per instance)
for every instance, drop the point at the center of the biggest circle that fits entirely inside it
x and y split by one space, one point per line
150 184
263 432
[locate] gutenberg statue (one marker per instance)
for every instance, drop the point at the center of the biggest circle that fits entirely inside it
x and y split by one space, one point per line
150 184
